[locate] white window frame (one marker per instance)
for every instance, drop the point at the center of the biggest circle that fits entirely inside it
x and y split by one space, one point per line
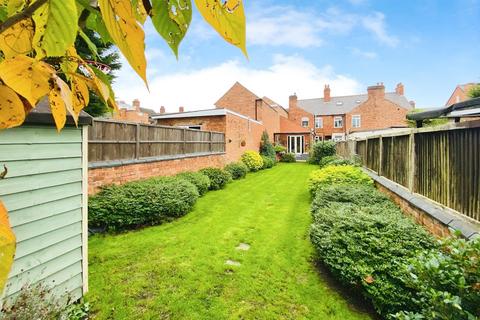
338 137
355 117
340 118
318 138
305 119
318 122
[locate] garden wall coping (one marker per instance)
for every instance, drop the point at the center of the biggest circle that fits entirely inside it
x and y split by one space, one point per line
448 217
119 163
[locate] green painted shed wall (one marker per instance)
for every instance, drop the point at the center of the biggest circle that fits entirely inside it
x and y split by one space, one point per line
43 194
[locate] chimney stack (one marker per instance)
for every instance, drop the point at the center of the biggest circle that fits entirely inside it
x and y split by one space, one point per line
136 104
377 91
326 93
162 109
292 101
181 109
412 104
400 89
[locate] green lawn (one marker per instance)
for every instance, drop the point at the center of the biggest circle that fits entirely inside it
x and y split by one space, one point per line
178 270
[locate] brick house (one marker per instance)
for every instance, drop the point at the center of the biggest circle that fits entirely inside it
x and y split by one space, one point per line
242 116
336 117
132 113
460 93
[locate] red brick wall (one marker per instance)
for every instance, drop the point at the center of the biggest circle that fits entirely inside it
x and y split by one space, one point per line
212 123
328 127
270 119
296 114
131 116
239 99
241 130
122 174
377 113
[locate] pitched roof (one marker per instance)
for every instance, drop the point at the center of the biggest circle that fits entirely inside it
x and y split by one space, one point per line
345 104
273 104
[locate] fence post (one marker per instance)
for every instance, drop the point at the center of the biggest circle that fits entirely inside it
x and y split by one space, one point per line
380 155
184 145
210 142
411 162
137 142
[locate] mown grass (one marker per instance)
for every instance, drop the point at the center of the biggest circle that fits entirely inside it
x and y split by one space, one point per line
178 271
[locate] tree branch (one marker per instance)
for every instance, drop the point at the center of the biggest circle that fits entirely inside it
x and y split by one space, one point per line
27 13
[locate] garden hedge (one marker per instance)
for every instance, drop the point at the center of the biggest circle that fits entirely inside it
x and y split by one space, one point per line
337 174
237 170
218 178
199 180
267 162
320 150
141 203
288 157
364 239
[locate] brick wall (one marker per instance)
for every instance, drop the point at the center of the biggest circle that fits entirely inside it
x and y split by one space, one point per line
433 226
239 99
270 119
121 174
241 131
131 116
296 114
328 127
212 123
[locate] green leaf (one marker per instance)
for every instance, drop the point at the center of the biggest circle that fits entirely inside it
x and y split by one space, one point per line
91 46
172 19
56 27
95 22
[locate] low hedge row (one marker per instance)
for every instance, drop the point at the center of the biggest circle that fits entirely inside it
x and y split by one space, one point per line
238 170
142 203
367 242
199 180
218 177
337 174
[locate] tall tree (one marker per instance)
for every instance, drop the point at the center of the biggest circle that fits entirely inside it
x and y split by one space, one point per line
105 53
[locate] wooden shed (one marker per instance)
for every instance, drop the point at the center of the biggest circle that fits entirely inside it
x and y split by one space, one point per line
45 192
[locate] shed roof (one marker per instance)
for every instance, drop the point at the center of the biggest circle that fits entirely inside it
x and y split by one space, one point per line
42 114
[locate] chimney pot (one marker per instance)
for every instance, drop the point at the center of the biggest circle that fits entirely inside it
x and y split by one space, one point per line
181 109
326 93
162 109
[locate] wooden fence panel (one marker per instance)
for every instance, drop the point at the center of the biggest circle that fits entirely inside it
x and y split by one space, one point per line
395 159
373 154
361 150
110 140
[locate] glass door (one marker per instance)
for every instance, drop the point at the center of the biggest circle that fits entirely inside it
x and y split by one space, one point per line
296 144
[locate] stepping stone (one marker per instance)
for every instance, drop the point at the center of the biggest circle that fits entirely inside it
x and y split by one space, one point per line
232 263
243 247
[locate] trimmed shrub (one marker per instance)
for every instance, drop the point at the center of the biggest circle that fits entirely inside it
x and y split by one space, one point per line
320 150
279 148
141 203
238 170
218 177
266 147
252 160
336 161
288 157
267 162
199 180
364 239
337 174
447 281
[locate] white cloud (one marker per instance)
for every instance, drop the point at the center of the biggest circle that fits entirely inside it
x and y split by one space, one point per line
288 26
364 54
201 88
376 24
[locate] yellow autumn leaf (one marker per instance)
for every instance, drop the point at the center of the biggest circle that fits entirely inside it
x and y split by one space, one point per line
227 18
69 64
56 27
7 246
60 99
80 95
126 32
17 39
27 76
12 112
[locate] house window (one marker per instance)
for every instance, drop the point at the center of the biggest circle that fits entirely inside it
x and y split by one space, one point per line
305 122
337 137
318 122
338 122
356 121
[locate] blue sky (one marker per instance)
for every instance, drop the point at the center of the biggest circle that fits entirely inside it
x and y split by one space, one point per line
299 46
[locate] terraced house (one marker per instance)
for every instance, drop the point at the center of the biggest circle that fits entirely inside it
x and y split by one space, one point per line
333 118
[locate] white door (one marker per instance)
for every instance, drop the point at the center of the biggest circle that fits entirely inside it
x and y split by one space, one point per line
296 144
